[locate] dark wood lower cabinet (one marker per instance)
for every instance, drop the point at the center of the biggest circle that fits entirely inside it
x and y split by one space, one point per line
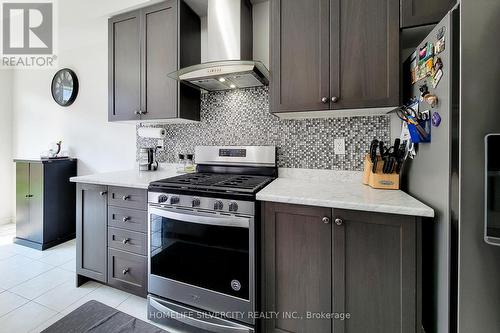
112 237
298 267
360 268
91 213
375 272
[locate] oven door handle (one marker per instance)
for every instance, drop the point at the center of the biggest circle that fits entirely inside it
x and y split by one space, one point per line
201 218
203 325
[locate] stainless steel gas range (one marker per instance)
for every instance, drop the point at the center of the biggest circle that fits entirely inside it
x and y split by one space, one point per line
203 227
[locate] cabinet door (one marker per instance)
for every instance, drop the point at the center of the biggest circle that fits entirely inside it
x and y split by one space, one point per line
374 272
91 246
159 51
124 67
364 50
36 203
297 257
423 12
22 200
300 55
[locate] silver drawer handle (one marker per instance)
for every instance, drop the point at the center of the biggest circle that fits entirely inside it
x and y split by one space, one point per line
126 218
125 197
103 192
125 271
125 240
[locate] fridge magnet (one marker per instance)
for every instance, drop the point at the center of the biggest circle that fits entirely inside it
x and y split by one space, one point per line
436 119
425 115
440 46
426 96
440 33
429 67
426 52
438 64
437 77
413 70
431 99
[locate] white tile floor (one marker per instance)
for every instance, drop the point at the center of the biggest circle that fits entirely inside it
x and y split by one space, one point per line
37 288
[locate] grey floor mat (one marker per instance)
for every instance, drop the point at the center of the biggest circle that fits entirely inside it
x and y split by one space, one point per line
95 317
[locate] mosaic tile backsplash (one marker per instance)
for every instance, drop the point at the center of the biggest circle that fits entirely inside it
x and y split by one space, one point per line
242 117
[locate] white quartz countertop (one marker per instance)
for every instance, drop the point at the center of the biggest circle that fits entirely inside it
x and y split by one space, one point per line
339 190
128 178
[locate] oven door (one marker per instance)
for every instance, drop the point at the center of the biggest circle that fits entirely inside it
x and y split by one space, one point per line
202 259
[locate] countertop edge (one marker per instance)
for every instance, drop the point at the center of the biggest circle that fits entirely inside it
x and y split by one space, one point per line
423 212
108 183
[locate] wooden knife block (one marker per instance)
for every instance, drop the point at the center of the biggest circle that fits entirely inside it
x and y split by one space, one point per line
379 180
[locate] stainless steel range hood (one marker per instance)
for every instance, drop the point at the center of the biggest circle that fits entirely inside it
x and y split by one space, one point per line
226 48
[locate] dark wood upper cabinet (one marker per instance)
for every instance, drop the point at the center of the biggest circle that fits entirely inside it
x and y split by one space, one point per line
160 51
144 47
297 257
364 51
334 54
300 56
423 12
124 66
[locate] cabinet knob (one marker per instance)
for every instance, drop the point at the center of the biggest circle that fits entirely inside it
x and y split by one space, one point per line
335 99
138 112
125 271
325 220
125 197
126 218
103 192
339 221
29 195
324 100
125 240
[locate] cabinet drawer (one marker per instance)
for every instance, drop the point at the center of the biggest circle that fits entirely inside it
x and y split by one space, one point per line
127 271
127 240
128 197
130 219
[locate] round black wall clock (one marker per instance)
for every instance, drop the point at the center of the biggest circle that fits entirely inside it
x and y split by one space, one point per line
65 87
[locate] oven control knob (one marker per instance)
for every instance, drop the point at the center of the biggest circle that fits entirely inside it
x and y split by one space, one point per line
233 206
174 200
196 202
162 198
218 205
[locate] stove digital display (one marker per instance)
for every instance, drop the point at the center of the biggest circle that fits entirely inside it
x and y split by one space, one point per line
232 152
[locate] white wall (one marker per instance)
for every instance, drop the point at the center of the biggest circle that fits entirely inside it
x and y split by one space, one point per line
83 127
6 165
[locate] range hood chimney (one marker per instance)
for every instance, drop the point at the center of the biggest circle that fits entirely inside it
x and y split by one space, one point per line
227 47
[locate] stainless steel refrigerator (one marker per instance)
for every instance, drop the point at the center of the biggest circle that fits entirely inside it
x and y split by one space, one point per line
461 272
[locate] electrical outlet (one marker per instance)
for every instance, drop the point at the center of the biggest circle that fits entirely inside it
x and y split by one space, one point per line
160 144
339 146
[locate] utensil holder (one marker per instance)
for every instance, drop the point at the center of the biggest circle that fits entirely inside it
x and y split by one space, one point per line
379 180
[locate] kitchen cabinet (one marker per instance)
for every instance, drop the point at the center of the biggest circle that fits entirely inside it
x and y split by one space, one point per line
91 248
376 268
298 274
423 12
361 264
334 54
45 202
112 236
144 47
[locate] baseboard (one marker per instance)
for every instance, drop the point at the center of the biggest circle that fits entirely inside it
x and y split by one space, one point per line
6 220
